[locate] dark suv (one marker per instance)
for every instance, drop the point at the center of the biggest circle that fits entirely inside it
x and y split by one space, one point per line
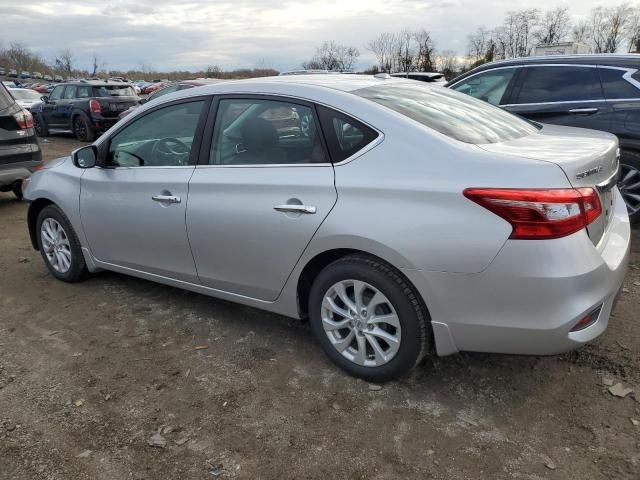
601 92
19 150
86 108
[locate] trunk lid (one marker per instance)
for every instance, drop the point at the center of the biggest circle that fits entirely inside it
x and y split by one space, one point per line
589 158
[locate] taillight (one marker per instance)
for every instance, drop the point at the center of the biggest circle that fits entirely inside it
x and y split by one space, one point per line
24 119
94 106
540 214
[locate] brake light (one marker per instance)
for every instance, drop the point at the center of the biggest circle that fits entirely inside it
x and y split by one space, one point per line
24 119
94 106
540 214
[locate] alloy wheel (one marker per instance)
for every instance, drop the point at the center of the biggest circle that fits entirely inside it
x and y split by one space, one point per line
56 246
629 186
361 323
80 129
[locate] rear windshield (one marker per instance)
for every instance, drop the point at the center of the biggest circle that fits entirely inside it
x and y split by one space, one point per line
451 113
25 94
114 91
5 99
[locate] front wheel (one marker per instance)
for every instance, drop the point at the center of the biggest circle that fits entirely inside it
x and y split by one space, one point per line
59 245
629 183
41 127
368 319
17 191
82 130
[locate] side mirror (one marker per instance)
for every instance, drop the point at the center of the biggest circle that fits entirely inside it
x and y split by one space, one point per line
85 157
44 98
142 101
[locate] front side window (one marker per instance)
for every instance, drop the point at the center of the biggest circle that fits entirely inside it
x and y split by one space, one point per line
615 86
265 132
56 93
458 116
162 138
163 91
546 84
488 86
69 92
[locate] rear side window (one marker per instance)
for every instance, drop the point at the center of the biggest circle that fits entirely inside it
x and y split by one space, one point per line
458 116
345 135
83 92
559 84
615 86
5 98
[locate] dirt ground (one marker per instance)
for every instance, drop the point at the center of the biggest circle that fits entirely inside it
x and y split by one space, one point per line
89 372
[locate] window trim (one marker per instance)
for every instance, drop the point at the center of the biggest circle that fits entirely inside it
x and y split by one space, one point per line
205 147
104 146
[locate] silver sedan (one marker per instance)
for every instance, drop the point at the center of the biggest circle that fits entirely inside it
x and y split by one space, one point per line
402 219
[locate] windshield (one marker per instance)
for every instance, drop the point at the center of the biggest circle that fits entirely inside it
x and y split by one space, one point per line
451 113
115 91
25 94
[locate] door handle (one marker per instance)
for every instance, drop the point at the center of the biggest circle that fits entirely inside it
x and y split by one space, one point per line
166 198
295 208
585 111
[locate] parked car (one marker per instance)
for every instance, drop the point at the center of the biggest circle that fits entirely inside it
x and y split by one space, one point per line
25 97
45 88
397 216
170 88
36 75
58 78
589 91
3 71
47 78
9 84
20 153
12 73
25 74
431 77
149 89
86 108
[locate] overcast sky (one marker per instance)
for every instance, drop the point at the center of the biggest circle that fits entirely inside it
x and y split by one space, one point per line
190 34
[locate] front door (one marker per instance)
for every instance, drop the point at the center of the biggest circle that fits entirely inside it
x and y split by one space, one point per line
49 109
133 208
259 196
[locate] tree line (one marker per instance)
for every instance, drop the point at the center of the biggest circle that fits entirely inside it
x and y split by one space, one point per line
606 29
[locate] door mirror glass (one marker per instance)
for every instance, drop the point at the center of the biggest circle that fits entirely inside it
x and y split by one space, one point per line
44 98
85 157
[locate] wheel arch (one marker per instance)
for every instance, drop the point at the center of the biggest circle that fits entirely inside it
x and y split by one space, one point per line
35 208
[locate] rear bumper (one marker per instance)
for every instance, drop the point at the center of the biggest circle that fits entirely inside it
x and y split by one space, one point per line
532 294
17 162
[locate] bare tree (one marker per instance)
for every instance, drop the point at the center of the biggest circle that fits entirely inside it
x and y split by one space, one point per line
333 56
213 71
18 55
382 47
581 31
554 26
608 27
425 51
477 43
64 61
97 65
633 30
447 63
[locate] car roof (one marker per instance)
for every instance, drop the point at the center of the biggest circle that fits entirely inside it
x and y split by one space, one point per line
96 83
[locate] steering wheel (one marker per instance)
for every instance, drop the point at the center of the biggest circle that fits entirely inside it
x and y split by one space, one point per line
171 151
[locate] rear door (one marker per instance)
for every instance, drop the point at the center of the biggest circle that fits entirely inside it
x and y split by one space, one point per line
263 186
561 94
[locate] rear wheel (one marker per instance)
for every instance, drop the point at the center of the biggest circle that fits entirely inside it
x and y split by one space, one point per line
42 130
82 130
629 183
59 245
17 190
368 319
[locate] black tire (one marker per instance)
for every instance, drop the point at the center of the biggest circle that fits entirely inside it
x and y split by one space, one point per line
83 130
40 126
78 269
412 313
17 191
631 160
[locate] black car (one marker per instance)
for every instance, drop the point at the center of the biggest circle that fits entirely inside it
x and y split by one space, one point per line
20 152
601 92
86 108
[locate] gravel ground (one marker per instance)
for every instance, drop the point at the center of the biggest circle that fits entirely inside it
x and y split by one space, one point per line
91 372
